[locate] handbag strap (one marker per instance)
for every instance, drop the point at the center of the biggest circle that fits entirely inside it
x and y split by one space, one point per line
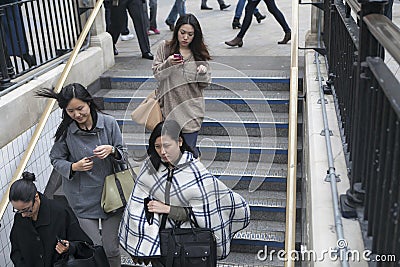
167 194
117 181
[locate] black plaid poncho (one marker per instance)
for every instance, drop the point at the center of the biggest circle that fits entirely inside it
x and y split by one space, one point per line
214 206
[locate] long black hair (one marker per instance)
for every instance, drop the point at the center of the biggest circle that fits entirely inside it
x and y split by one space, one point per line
197 46
173 130
23 189
73 90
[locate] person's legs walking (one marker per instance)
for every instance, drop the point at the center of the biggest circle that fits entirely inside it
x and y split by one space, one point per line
110 239
116 22
273 9
125 34
191 140
153 16
173 15
136 12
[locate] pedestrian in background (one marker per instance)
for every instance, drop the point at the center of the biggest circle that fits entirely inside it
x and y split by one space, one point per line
249 11
179 8
238 13
139 17
87 145
222 5
182 69
38 223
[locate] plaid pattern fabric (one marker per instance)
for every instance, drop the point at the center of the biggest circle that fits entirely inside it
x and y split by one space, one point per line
214 205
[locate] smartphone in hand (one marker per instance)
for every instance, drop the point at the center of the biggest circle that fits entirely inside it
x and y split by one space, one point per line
59 240
178 56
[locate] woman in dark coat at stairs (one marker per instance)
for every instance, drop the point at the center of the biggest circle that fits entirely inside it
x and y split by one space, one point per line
38 222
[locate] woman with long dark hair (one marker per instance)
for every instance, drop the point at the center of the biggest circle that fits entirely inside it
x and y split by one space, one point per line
43 229
87 144
171 183
182 69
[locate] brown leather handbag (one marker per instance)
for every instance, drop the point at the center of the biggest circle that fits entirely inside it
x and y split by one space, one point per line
148 113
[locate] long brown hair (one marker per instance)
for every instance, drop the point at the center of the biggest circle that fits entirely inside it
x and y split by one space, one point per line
197 46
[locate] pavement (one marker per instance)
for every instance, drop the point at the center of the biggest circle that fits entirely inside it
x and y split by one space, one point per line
260 50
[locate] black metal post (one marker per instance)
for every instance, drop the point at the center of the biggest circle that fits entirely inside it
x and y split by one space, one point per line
368 46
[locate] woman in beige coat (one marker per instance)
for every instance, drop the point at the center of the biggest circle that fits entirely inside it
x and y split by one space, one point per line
182 69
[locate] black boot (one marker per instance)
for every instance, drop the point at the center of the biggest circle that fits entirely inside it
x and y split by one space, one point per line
259 17
286 38
236 24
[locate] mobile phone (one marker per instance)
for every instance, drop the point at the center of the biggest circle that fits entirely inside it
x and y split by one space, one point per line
149 215
61 241
91 157
178 56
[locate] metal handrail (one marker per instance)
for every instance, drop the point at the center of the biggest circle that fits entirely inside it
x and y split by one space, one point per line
354 5
385 32
290 233
49 107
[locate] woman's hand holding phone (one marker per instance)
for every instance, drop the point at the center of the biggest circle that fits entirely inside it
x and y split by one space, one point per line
176 59
62 246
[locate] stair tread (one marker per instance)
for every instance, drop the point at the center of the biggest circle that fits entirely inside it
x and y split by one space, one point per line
266 231
264 198
239 259
224 117
140 139
208 94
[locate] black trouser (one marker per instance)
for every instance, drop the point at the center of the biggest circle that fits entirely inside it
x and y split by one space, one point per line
272 8
136 12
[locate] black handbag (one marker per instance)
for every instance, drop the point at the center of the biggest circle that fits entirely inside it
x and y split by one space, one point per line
86 256
186 247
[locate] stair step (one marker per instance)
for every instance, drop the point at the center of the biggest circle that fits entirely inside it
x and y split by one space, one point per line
238 95
261 200
262 231
239 259
148 82
237 144
224 119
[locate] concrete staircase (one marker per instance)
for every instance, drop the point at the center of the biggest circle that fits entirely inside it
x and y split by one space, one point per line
243 141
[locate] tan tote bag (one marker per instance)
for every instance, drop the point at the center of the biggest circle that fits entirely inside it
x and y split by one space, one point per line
148 113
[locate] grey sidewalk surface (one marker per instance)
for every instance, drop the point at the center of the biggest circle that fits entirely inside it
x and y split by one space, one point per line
259 52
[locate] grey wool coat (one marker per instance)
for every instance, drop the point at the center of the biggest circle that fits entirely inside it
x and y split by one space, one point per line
180 90
83 189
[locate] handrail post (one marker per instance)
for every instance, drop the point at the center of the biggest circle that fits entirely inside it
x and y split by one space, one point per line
368 46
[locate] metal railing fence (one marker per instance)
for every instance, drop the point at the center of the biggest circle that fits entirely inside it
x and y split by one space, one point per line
369 104
38 131
34 32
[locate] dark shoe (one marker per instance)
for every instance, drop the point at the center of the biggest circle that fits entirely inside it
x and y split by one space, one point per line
205 7
115 51
259 17
237 41
286 39
224 6
148 55
236 24
30 60
170 25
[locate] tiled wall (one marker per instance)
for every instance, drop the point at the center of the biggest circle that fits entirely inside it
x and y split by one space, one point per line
39 163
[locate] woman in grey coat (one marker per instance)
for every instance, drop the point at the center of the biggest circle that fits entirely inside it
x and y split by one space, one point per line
87 142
